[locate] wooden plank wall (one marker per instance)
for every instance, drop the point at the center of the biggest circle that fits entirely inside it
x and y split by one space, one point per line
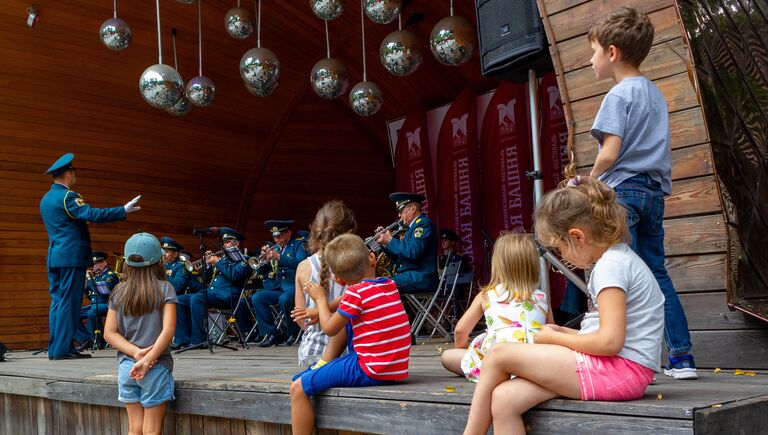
695 234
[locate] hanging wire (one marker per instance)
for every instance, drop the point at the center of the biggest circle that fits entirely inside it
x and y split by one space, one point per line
258 25
115 9
175 60
238 3
159 41
199 37
327 41
400 21
362 29
451 7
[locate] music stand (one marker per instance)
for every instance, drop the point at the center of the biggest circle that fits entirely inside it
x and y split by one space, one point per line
102 288
201 232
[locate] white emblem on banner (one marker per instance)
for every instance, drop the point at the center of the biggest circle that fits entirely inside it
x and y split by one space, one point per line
506 116
414 143
555 109
460 130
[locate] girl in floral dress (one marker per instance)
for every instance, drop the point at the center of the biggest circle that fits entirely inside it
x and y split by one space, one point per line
513 307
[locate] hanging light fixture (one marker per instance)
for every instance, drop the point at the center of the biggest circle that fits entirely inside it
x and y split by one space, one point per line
401 51
115 33
327 9
200 90
383 11
239 22
365 97
329 77
186 2
452 40
183 106
259 66
160 85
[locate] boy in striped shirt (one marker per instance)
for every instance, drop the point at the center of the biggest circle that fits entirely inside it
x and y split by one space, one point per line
378 333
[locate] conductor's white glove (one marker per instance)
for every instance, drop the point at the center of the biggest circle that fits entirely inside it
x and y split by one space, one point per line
131 206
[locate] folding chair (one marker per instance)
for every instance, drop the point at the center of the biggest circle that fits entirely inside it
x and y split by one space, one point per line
224 324
442 297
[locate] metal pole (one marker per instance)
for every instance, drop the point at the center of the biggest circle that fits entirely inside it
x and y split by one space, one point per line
538 181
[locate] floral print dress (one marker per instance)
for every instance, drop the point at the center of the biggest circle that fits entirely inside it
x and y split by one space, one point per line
508 322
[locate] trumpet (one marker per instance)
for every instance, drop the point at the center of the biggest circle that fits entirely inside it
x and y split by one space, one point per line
371 242
257 262
196 265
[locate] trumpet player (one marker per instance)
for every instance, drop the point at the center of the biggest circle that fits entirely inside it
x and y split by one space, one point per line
100 275
175 271
227 282
279 283
415 256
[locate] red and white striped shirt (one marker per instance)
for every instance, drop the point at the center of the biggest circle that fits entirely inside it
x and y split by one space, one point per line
381 334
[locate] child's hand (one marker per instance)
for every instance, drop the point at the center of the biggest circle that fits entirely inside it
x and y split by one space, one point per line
139 369
141 353
546 335
305 316
315 291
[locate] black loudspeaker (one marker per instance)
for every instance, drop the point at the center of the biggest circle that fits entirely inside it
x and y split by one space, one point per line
3 349
512 39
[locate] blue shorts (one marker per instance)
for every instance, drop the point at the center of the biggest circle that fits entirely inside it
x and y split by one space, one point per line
154 389
344 371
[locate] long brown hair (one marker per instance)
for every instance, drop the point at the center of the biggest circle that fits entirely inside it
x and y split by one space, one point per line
140 293
514 265
332 219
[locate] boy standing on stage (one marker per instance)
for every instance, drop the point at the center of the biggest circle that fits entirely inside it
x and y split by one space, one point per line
632 129
378 332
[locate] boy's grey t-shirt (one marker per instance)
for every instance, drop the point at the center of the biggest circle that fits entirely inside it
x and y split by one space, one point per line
143 330
636 111
620 267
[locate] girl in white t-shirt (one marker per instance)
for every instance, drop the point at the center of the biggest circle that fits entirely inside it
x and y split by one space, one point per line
615 353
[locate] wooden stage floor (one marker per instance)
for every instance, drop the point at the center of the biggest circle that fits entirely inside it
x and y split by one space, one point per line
253 385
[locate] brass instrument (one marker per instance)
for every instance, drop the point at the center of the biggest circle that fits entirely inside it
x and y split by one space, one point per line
197 265
119 261
257 262
371 243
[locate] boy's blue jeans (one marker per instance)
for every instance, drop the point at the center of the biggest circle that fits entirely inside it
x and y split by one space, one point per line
644 201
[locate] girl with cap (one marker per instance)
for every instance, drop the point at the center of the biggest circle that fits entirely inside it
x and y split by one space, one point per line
140 324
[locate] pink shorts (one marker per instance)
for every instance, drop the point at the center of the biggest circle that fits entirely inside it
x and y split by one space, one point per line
611 378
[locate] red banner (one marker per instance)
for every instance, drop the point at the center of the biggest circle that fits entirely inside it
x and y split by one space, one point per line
413 161
554 156
458 196
507 192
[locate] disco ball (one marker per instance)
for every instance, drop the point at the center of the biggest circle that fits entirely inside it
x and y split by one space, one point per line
181 108
383 11
452 40
329 78
366 98
201 91
327 9
401 53
239 23
161 86
115 34
260 71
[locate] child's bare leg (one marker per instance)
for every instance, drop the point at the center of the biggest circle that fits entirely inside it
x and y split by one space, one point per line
302 414
552 367
153 419
511 399
335 346
451 360
135 418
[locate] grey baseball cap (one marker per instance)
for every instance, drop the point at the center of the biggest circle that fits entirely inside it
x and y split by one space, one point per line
146 247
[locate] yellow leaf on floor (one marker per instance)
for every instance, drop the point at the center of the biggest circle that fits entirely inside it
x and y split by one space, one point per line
659 396
450 389
717 370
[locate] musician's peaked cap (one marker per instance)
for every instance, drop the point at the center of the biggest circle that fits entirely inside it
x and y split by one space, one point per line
447 234
62 164
168 243
98 256
402 199
229 234
277 226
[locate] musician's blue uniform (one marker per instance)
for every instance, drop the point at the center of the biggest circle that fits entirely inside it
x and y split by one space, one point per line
178 275
65 214
415 257
279 288
97 307
228 280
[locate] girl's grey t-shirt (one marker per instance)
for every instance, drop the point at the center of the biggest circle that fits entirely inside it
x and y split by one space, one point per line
621 267
143 330
636 111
